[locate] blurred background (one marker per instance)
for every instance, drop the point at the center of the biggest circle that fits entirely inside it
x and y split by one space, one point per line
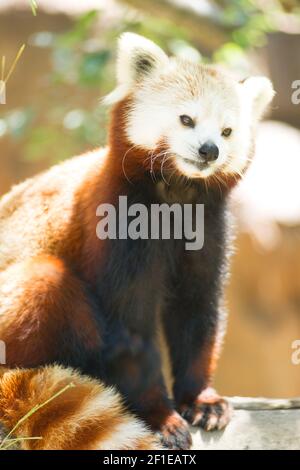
53 111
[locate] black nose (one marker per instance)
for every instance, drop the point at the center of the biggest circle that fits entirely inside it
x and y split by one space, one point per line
209 151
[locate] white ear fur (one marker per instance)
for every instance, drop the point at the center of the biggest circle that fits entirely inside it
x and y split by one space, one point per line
137 57
260 91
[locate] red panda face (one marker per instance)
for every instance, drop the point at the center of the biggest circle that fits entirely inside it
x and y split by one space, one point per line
202 118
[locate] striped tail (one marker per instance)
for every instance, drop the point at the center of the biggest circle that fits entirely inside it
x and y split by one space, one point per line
86 416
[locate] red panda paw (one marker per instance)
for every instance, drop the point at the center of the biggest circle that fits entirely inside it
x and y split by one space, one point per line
174 433
209 411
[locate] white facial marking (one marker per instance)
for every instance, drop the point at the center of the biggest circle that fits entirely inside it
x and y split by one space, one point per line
170 88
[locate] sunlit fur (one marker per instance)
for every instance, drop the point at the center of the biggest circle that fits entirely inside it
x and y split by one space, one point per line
86 416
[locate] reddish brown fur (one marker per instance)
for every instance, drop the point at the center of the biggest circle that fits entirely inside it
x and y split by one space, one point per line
60 305
65 422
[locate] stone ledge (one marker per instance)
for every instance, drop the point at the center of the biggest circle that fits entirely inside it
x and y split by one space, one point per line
257 423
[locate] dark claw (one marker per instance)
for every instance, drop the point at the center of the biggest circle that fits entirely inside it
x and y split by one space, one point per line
174 433
208 412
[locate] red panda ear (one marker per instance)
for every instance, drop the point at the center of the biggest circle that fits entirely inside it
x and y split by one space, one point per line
260 91
137 58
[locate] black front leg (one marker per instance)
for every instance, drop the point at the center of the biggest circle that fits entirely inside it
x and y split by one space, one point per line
132 360
194 325
133 365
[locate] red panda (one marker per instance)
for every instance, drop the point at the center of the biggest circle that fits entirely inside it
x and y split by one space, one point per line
180 132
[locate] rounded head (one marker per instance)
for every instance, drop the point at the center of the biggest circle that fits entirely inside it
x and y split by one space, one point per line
202 118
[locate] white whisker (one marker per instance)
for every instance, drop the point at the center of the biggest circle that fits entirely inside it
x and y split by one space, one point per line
123 162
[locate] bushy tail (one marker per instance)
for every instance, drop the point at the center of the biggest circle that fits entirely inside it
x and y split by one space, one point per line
87 415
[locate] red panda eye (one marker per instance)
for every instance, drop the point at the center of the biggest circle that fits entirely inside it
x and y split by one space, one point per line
226 132
187 121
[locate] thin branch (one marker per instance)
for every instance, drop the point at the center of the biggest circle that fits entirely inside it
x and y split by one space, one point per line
33 6
34 410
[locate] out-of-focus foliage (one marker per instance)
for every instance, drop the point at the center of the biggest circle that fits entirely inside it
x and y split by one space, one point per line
82 68
33 6
82 71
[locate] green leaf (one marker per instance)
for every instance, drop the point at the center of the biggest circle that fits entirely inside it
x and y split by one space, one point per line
80 30
91 67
